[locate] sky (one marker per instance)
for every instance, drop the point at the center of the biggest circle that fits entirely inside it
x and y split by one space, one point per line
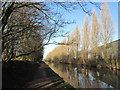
77 16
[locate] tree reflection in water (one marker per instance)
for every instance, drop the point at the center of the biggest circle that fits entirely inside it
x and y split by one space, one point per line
82 77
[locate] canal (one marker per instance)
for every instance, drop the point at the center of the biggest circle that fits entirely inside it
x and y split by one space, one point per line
84 77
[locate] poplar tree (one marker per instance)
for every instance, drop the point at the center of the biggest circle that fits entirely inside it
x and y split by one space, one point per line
95 34
85 38
107 27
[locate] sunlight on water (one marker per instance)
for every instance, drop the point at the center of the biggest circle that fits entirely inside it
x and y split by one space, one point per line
82 77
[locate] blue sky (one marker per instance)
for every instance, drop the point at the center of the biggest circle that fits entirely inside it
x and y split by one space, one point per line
77 15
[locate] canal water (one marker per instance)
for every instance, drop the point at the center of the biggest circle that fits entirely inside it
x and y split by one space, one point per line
84 77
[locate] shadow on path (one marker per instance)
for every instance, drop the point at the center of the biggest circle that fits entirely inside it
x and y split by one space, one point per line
46 78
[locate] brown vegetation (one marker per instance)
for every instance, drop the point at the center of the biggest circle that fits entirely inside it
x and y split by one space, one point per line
84 47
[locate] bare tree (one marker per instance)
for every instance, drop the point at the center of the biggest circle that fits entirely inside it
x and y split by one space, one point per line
85 38
76 39
21 21
107 27
95 34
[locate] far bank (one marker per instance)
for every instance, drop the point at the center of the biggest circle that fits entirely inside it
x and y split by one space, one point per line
106 56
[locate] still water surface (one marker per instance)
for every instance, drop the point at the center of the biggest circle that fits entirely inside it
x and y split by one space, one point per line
83 77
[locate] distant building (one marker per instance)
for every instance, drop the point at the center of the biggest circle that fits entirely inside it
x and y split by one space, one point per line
111 52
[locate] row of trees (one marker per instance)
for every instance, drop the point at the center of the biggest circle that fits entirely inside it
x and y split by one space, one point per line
20 32
84 44
26 27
